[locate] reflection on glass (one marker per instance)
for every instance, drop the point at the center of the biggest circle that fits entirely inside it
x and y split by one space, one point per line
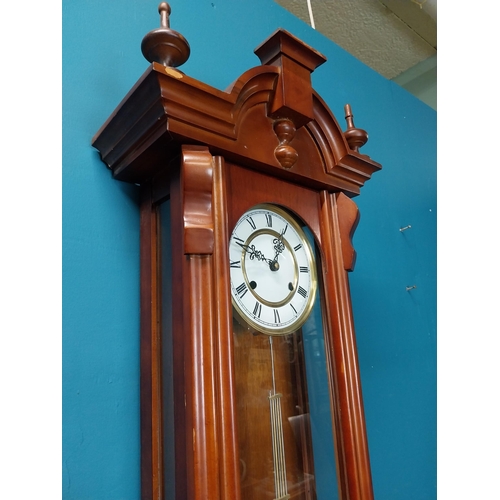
283 411
273 421
167 362
319 405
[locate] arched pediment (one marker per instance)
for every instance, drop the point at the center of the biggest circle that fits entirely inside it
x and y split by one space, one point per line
269 119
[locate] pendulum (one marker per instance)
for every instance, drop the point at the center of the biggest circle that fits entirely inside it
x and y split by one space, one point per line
280 486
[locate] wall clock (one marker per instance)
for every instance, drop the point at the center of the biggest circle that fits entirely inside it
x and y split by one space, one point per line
250 385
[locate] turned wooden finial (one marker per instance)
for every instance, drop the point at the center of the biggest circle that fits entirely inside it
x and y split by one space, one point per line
164 10
164 45
356 137
284 153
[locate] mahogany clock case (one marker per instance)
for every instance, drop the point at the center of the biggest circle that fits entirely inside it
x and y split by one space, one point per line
202 326
268 139
395 328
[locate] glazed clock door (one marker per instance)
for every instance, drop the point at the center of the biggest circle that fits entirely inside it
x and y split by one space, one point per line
279 360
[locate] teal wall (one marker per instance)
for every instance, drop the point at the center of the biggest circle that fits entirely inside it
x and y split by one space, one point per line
396 329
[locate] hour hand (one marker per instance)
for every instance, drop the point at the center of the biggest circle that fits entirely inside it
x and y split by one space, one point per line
254 254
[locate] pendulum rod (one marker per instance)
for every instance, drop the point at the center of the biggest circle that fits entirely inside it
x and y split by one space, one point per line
280 486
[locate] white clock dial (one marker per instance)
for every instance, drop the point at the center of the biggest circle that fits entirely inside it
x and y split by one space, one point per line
273 275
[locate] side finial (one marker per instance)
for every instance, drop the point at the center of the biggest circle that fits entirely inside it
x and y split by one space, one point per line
164 45
355 137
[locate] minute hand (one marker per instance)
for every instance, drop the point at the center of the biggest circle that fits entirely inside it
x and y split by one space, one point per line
278 246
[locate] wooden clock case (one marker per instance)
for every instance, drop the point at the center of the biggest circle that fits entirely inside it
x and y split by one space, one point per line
213 154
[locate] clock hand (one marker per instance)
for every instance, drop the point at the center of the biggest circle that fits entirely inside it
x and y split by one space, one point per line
278 247
254 254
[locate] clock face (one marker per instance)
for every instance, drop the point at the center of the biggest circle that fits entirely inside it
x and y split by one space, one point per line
272 269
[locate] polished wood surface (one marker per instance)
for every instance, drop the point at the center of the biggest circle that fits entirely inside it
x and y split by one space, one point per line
228 432
296 61
206 438
343 368
164 45
213 154
197 175
348 218
194 332
167 108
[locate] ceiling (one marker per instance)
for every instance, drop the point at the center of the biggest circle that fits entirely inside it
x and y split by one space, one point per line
396 38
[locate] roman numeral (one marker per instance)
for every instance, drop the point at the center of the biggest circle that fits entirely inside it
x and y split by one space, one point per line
257 309
235 264
238 240
242 289
269 220
298 247
304 269
251 222
276 316
294 310
302 292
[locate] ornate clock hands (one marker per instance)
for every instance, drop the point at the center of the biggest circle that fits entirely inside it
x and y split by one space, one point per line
279 246
254 254
257 254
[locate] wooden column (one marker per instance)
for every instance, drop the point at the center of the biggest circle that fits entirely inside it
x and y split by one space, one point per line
347 406
211 439
228 438
198 327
